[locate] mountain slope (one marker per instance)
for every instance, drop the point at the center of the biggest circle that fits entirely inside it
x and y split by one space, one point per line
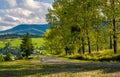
33 29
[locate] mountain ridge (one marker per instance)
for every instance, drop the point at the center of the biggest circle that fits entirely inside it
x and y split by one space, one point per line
33 29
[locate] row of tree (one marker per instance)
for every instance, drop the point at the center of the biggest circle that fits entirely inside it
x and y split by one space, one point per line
78 26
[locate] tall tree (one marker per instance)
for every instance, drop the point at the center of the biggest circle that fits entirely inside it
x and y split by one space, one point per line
112 12
26 46
80 24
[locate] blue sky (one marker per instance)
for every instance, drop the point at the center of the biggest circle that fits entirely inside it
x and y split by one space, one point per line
15 12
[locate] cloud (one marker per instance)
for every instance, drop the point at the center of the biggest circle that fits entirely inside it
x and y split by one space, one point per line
5 27
30 4
5 4
15 12
12 3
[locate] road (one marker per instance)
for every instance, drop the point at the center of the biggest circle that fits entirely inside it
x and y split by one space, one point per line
58 65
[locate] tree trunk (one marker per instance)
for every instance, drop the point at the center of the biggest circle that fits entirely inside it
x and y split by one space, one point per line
97 44
89 47
110 41
114 36
114 28
83 46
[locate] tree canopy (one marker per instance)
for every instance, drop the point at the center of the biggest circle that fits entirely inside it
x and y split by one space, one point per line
83 26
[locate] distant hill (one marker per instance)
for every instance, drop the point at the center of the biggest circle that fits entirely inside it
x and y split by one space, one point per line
33 29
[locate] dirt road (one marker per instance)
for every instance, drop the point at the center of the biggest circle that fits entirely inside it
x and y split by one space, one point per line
104 69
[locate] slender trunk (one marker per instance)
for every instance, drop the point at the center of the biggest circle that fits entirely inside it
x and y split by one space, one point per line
110 41
114 27
80 47
89 47
97 47
66 50
114 36
79 50
83 46
97 42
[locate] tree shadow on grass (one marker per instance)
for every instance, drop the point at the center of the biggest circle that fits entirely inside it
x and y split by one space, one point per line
53 68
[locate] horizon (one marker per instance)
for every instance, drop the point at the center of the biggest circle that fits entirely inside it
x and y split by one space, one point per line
26 25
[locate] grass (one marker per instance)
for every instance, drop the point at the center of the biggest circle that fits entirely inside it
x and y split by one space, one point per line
34 68
37 42
104 55
78 68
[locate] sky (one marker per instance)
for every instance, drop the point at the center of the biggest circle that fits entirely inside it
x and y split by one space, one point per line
15 12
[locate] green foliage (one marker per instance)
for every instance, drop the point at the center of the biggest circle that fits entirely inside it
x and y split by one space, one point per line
83 26
53 41
9 57
26 46
1 57
72 26
105 55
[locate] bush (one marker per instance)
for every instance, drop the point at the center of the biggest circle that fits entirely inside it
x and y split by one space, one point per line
9 57
1 57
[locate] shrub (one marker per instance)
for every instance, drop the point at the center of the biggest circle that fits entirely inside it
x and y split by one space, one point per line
116 58
9 57
1 57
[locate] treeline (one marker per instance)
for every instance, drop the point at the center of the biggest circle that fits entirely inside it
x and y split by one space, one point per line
79 26
11 36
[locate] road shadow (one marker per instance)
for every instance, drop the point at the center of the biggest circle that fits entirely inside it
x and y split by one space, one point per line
53 67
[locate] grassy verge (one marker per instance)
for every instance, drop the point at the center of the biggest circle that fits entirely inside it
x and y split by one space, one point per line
105 55
34 68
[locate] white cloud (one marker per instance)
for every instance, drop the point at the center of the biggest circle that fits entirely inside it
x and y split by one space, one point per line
24 11
5 27
30 4
12 3
5 4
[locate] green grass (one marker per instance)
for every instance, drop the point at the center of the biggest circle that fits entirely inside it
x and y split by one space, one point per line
104 55
18 68
37 42
34 68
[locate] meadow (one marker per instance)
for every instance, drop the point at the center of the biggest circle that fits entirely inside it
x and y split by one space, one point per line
37 42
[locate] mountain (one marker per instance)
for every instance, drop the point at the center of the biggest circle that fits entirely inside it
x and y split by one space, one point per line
33 29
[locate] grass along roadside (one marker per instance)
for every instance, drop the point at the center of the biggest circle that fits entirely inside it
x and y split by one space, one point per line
101 56
34 68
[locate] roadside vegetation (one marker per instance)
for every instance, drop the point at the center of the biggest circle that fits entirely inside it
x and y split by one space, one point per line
63 68
101 56
84 29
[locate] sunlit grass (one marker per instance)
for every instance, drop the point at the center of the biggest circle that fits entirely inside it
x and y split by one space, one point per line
103 55
37 42
34 68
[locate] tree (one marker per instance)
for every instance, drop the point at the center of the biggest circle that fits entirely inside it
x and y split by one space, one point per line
112 11
75 21
26 46
84 25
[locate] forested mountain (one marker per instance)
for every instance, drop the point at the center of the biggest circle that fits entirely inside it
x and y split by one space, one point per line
33 29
